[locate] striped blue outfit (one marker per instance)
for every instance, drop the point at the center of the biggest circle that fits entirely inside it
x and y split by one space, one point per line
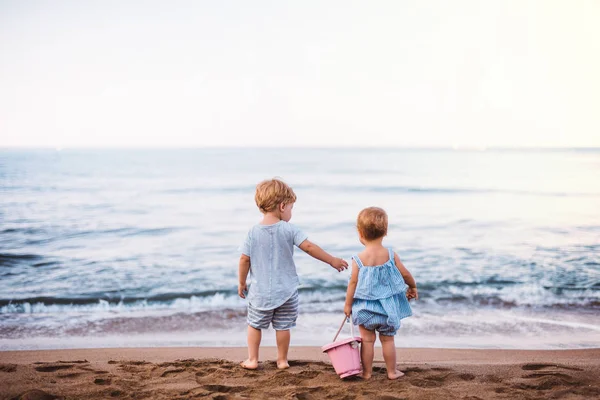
273 280
380 298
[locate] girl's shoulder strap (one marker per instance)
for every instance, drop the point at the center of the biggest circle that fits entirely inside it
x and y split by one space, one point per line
358 262
392 256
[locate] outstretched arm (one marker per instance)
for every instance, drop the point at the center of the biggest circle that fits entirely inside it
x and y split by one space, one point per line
351 289
244 268
316 252
412 292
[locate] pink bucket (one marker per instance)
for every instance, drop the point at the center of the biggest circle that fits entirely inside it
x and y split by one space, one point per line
344 354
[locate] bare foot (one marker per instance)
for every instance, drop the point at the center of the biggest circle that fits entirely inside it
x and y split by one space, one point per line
365 376
283 364
249 364
395 375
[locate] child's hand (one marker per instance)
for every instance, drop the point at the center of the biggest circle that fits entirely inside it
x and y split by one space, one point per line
242 289
348 310
412 293
339 264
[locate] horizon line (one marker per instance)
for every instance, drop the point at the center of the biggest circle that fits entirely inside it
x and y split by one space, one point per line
324 147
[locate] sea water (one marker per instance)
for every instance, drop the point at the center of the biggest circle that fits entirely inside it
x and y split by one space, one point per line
104 248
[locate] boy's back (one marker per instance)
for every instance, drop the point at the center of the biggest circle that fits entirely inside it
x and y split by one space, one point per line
268 253
273 276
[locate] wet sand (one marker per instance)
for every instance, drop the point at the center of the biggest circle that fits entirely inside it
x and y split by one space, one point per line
214 373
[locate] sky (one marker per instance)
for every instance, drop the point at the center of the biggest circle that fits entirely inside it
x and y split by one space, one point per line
300 73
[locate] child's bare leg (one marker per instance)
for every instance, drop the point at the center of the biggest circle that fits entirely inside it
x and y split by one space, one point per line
254 336
283 345
367 351
389 356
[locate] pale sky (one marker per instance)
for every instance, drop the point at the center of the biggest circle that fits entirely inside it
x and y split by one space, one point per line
307 73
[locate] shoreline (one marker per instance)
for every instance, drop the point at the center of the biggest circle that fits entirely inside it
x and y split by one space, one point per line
590 356
214 373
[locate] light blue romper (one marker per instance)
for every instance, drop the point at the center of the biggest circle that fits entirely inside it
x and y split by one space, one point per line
380 298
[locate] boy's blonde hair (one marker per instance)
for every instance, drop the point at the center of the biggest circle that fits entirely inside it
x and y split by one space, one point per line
372 223
271 193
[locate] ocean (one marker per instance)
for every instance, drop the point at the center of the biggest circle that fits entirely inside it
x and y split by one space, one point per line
139 247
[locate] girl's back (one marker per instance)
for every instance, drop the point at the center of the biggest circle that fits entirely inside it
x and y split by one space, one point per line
372 257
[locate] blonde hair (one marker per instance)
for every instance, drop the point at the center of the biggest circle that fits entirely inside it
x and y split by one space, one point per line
271 193
372 223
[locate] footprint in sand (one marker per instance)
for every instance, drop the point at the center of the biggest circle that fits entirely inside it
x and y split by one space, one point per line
134 369
491 379
8 367
220 372
412 369
306 393
308 364
431 381
128 362
284 378
426 383
303 396
51 367
548 373
312 394
466 377
247 374
537 367
547 382
102 381
69 375
224 388
547 377
205 372
308 374
172 371
36 394
75 362
95 371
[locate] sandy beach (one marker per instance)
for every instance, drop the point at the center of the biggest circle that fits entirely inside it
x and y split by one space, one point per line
213 373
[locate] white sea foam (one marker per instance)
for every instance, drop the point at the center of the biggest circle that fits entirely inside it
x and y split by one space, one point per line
217 301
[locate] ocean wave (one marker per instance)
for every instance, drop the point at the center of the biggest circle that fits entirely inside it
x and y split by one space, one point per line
118 232
312 300
316 294
499 302
24 231
492 282
82 301
216 301
7 259
146 231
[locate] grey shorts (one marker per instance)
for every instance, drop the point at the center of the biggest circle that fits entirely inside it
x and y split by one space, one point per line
283 317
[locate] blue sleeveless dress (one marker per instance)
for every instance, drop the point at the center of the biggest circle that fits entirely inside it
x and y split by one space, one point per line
380 298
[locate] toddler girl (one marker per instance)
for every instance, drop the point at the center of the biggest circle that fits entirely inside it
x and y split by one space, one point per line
377 296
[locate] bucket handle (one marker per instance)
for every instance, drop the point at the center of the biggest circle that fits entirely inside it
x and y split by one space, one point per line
341 326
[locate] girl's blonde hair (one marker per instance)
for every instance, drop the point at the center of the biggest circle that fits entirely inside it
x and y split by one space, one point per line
372 223
271 193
